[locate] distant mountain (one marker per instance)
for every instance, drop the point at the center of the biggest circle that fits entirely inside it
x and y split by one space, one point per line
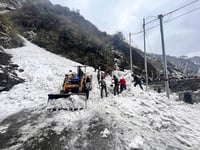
196 60
184 65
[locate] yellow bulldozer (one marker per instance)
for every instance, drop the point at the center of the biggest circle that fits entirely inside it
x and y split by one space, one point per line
74 84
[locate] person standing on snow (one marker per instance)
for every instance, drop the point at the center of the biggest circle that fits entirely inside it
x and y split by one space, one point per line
80 72
98 76
137 81
116 85
103 88
122 82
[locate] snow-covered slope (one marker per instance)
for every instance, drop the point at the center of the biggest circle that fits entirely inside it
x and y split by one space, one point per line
43 73
134 118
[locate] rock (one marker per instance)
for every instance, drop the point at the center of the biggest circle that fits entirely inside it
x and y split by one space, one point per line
21 70
2 88
188 97
1 49
30 35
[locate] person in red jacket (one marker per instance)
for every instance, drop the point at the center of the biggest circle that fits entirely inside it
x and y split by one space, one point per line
122 82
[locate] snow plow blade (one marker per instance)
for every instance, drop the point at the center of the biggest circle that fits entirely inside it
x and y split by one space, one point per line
66 101
66 95
56 96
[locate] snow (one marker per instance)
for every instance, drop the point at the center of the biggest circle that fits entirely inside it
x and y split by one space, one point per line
4 11
144 119
136 143
105 133
3 5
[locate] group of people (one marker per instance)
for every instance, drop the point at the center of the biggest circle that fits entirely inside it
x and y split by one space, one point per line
119 84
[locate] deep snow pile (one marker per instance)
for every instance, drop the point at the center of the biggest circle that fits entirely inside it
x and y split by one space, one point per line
143 119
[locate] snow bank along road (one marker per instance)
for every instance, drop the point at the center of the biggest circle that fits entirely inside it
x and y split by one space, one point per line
133 119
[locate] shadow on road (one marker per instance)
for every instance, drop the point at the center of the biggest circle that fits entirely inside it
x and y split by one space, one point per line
83 135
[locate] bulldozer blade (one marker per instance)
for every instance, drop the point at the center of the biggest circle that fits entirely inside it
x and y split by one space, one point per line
57 96
67 109
70 104
64 95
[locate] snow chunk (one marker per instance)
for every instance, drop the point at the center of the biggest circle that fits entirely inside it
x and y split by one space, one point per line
183 141
105 133
3 128
137 143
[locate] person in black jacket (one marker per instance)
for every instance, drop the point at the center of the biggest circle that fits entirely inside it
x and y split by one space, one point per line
137 81
116 85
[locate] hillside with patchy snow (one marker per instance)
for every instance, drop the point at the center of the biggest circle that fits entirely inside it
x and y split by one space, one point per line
133 119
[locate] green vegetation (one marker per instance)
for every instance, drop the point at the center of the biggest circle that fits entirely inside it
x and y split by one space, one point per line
8 33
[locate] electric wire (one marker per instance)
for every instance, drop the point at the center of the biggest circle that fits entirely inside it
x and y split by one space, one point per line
134 44
174 18
177 9
151 20
169 13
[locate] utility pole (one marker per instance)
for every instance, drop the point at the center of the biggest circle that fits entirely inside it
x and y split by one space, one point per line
164 56
131 63
145 56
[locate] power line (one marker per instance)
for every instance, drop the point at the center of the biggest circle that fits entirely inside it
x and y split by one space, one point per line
177 9
198 8
169 17
147 29
182 14
135 45
180 7
168 20
152 27
151 20
137 32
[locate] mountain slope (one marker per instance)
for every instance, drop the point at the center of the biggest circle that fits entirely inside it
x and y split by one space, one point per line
196 60
62 31
66 32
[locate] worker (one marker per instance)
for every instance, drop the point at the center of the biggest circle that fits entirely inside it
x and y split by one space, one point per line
103 88
122 82
80 72
116 85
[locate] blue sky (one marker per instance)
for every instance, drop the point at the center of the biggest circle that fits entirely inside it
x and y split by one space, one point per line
181 35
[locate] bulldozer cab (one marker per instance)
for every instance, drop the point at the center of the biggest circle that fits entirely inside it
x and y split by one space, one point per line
75 83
